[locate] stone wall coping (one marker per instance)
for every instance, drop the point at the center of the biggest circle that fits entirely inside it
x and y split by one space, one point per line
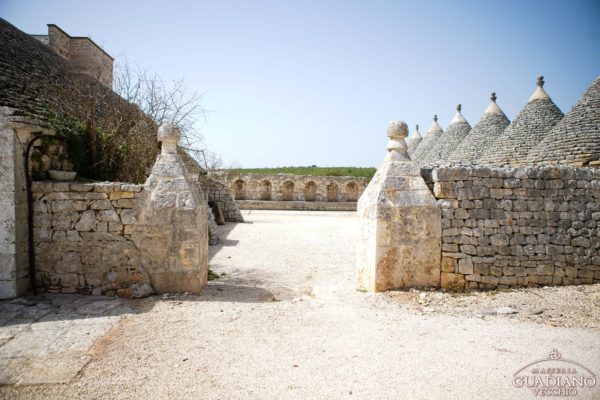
80 186
457 173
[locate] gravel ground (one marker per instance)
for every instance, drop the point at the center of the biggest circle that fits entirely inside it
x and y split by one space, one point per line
284 321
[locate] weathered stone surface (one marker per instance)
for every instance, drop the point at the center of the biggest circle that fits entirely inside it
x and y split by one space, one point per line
452 282
86 222
171 230
511 227
400 243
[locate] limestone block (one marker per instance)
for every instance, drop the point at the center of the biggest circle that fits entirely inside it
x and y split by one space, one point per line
101 205
452 282
108 216
179 282
86 222
131 188
61 221
104 187
123 203
121 195
81 187
128 217
73 236
68 205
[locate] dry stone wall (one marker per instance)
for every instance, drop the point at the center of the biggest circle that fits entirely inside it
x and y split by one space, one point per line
126 239
511 227
218 193
82 238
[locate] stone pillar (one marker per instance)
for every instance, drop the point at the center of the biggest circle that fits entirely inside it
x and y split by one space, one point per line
400 221
172 228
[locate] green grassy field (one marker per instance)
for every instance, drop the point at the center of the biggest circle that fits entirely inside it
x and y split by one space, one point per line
312 171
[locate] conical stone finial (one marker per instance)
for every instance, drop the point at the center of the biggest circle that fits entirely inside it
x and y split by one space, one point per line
458 117
540 81
539 92
417 134
493 107
435 127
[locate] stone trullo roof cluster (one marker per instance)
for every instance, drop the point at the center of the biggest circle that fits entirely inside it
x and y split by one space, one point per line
540 133
431 137
447 143
576 138
526 131
489 127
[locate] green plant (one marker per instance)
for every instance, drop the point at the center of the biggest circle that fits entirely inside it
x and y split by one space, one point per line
212 275
363 172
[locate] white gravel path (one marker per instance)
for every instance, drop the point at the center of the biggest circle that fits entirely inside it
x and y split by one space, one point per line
285 322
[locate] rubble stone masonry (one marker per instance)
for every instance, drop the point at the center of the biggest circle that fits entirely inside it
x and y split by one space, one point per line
511 227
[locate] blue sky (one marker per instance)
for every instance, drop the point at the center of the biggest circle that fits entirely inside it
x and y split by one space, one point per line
316 82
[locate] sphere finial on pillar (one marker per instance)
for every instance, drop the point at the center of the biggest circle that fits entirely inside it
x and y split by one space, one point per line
168 135
397 131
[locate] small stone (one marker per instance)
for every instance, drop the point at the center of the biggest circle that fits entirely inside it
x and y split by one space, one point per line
535 311
506 310
485 312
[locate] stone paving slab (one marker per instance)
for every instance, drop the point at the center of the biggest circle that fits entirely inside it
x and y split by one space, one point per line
48 338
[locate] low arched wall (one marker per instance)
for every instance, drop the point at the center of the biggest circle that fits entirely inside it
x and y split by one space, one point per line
248 189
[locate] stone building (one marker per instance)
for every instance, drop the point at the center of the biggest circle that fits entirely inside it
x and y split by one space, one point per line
455 133
83 54
431 137
490 126
575 140
526 131
414 140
